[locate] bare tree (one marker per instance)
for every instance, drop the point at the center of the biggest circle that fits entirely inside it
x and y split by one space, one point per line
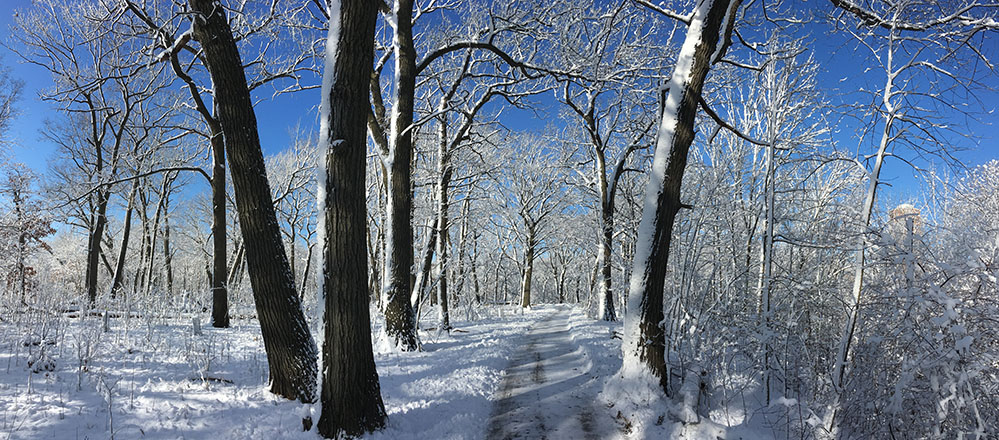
709 26
928 54
609 89
97 79
532 192
291 352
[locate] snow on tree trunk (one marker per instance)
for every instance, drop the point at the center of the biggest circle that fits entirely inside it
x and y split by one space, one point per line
350 392
400 321
843 355
644 340
442 239
606 266
525 283
291 353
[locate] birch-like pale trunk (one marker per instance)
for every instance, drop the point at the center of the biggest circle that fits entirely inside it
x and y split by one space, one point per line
764 286
854 305
444 168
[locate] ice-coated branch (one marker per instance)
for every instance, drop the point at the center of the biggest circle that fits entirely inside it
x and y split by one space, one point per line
685 19
721 122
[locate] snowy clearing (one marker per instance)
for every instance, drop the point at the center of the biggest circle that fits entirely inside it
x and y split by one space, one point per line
69 379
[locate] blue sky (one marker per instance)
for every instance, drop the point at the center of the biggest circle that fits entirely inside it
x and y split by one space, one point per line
278 117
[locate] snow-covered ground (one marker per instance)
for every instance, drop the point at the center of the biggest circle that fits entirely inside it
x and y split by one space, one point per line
66 378
539 373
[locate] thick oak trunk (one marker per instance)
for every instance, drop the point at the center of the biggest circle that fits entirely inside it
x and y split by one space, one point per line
350 394
94 245
291 353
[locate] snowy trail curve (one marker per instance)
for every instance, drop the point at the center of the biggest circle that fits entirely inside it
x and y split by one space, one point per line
547 391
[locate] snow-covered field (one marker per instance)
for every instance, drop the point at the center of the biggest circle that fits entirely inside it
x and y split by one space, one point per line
66 378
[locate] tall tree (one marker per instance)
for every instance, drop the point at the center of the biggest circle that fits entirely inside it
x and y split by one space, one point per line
709 26
350 395
927 53
610 97
291 352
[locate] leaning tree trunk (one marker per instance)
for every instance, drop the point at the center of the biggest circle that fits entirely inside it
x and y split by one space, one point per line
291 353
645 342
350 394
853 311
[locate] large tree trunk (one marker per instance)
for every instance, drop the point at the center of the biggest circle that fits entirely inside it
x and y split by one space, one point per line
291 353
606 249
645 343
400 321
220 268
606 239
351 396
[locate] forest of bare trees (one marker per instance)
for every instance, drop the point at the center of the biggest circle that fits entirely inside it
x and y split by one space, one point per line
693 175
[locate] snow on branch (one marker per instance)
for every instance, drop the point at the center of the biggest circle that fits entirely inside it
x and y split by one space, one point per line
179 43
685 19
871 18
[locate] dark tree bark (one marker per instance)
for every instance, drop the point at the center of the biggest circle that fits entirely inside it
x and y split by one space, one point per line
606 248
119 270
167 253
94 251
662 198
351 395
442 244
400 320
220 268
525 283
291 353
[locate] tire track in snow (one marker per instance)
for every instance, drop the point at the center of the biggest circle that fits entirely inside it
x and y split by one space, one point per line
546 389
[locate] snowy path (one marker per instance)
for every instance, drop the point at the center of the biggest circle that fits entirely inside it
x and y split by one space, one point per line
548 391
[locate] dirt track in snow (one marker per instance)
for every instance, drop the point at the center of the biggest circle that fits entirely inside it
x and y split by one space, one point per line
547 391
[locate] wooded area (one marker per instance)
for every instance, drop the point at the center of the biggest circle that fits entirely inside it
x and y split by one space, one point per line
697 178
